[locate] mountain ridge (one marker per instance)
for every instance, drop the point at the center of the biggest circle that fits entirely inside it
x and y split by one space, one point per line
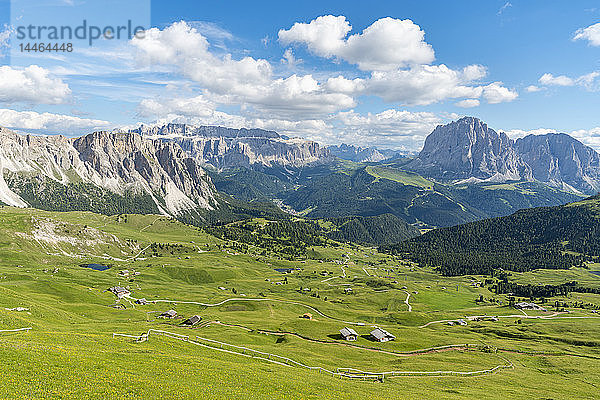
468 150
560 159
164 169
558 237
119 163
221 147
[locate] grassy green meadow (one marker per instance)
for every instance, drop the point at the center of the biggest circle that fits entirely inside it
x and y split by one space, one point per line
70 352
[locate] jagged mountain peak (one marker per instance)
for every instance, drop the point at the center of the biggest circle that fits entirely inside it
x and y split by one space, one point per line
222 147
468 148
120 163
560 159
174 130
473 128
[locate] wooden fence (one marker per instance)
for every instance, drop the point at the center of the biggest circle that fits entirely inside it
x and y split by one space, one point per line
16 330
350 373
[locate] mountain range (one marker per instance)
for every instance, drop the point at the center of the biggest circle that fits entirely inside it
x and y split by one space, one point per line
470 151
120 164
226 147
363 154
465 172
163 168
562 161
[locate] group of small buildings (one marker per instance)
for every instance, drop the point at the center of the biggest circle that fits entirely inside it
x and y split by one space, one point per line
172 314
529 306
125 273
460 322
377 334
119 291
381 335
349 334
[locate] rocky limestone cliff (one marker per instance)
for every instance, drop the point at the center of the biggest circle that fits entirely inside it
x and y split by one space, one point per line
53 157
227 147
468 148
357 154
117 162
204 131
559 159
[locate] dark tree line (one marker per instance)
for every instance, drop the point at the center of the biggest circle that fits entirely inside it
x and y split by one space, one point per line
287 237
533 291
381 229
548 237
49 195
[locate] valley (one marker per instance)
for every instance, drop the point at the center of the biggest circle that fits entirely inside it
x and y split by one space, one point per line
168 259
204 174
309 201
266 317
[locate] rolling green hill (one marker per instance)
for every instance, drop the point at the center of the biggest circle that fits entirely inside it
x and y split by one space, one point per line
293 237
380 229
548 237
251 342
397 175
375 190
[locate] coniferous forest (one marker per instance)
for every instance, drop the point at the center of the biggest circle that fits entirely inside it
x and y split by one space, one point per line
547 237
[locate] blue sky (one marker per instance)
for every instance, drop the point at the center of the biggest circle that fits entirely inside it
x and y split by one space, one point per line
370 73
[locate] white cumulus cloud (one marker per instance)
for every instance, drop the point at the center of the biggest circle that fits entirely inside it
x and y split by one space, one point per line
191 110
386 44
392 51
533 88
587 81
55 123
591 34
33 84
389 128
290 59
468 103
551 80
495 93
427 84
177 111
245 82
